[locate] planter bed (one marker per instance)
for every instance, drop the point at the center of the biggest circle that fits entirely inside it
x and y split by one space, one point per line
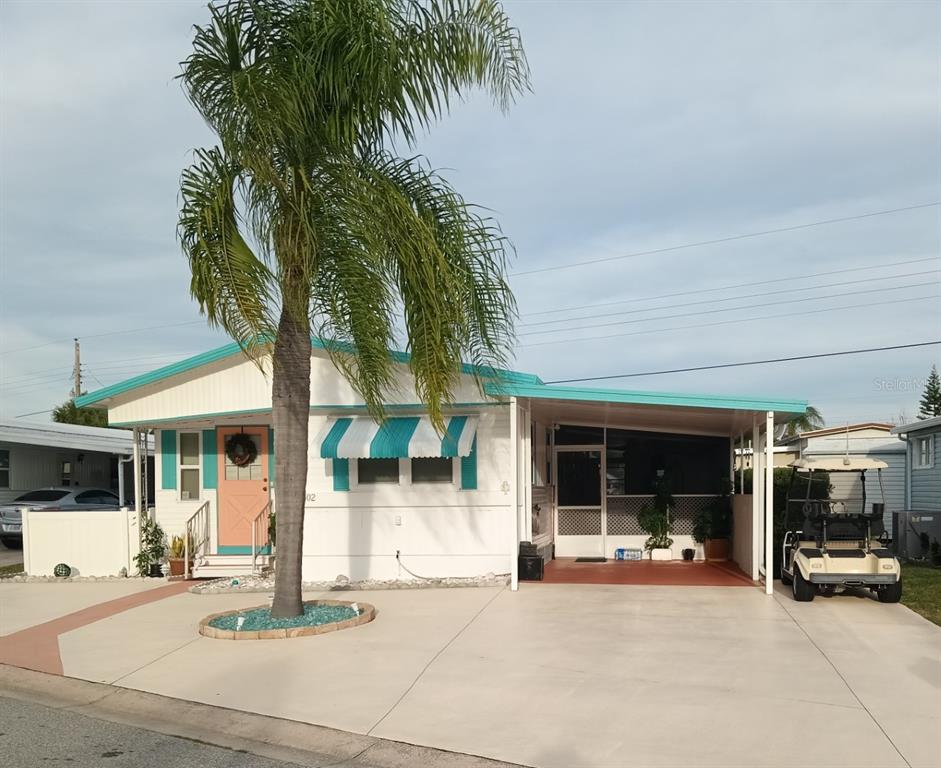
320 617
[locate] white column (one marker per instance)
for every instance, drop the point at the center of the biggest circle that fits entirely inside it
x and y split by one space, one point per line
741 461
527 473
755 502
769 502
138 491
514 493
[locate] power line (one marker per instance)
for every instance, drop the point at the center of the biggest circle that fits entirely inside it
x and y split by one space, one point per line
734 321
100 335
749 362
724 309
735 298
751 284
729 239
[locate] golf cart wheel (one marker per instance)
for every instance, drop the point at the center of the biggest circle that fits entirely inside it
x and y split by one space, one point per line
803 590
890 593
785 577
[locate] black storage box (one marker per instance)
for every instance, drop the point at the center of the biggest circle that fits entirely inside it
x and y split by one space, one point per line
530 568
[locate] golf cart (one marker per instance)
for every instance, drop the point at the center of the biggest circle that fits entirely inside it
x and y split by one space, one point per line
832 543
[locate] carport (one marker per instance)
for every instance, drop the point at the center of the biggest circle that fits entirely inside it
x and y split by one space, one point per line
568 436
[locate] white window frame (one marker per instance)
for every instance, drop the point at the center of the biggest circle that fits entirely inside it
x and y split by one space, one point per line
198 465
9 469
455 474
405 476
917 453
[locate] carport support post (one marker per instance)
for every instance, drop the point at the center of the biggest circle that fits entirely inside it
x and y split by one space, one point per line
769 502
755 500
137 474
514 492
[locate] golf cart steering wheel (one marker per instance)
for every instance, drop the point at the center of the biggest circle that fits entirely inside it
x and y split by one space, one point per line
811 510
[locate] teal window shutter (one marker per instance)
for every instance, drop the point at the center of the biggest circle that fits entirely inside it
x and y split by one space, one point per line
168 459
341 474
210 459
469 469
271 455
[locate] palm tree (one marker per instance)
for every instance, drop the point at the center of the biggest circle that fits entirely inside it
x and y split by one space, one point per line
804 422
303 221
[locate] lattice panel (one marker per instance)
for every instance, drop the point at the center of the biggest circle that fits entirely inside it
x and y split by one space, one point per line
579 521
623 511
622 515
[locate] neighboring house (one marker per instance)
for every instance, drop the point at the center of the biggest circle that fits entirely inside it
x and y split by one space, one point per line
566 468
874 440
42 455
923 470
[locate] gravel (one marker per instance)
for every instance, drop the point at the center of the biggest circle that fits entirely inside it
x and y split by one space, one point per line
343 583
260 619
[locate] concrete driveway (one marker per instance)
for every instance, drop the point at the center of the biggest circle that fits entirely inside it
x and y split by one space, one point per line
566 676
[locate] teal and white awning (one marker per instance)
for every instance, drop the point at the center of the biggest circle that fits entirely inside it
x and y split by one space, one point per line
359 437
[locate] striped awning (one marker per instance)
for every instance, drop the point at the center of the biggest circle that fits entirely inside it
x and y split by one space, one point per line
359 437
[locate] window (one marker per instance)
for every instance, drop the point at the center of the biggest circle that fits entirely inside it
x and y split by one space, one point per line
189 466
98 498
376 471
4 469
41 496
66 473
432 470
924 452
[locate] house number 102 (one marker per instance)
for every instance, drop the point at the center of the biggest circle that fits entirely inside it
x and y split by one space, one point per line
311 497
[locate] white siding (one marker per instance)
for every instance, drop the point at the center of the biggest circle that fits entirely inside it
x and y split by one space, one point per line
438 530
236 385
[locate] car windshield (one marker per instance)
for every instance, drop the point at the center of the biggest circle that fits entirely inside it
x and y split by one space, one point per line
42 496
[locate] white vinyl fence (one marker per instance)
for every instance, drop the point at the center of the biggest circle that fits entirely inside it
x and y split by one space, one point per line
90 542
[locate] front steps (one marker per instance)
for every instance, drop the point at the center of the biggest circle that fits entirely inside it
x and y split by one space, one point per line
226 566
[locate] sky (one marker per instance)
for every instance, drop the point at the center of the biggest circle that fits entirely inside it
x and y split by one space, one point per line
649 126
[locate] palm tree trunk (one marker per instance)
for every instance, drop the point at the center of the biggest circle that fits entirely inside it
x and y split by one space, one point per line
290 410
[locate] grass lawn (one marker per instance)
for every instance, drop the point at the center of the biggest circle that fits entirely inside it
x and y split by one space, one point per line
11 570
921 590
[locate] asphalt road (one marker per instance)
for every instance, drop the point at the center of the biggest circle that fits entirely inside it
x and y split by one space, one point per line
32 736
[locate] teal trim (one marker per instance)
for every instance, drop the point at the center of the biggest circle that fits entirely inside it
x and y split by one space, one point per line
210 459
549 392
220 353
168 459
469 469
341 474
271 463
392 439
242 549
328 449
452 436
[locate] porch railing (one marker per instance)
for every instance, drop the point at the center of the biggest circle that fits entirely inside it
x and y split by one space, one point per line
197 536
620 515
261 541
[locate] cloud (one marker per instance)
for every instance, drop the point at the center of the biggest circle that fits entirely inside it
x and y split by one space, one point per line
650 125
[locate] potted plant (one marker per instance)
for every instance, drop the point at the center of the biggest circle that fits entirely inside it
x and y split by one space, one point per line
177 554
688 554
153 548
713 525
655 519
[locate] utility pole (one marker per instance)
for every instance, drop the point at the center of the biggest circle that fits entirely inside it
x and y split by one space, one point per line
77 370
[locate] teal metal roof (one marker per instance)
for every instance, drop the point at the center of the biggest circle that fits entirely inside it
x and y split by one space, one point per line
220 353
635 397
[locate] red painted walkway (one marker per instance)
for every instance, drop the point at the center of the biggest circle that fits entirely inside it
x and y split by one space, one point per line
38 647
677 573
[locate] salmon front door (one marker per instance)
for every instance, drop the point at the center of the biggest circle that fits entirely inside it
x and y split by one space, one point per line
243 485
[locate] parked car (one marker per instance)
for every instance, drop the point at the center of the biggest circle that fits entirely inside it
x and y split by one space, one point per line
11 515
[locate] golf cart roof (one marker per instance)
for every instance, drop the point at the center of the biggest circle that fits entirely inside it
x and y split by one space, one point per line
839 464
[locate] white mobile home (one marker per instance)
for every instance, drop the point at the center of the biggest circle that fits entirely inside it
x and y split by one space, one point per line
566 468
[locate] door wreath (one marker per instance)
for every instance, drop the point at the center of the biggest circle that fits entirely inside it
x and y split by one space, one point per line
240 450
